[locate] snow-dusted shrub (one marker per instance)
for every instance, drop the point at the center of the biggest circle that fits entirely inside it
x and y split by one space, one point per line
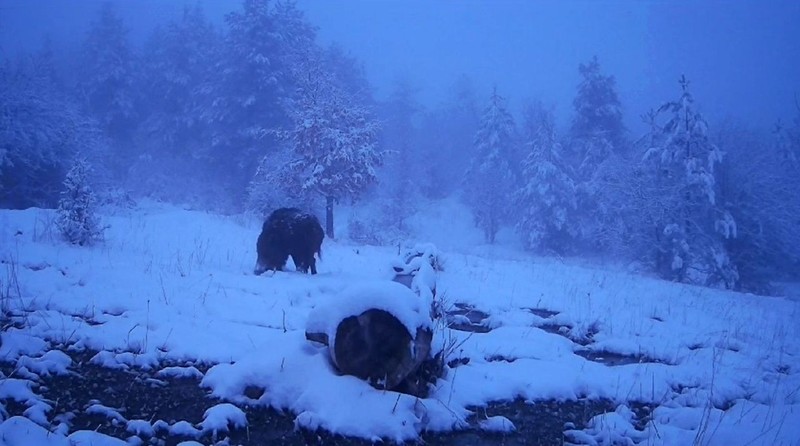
115 197
372 223
362 231
77 219
428 252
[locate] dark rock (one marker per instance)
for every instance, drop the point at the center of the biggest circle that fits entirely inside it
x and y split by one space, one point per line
254 392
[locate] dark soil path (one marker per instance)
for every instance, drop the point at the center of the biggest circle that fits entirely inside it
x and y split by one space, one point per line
138 394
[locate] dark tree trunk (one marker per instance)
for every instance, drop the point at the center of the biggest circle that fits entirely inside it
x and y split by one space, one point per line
329 217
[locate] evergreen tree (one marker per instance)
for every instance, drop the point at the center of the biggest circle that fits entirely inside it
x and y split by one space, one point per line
448 133
760 187
692 232
598 112
77 219
793 134
256 82
601 214
349 74
546 202
108 73
40 128
45 68
174 139
398 137
490 177
596 148
178 67
297 35
785 143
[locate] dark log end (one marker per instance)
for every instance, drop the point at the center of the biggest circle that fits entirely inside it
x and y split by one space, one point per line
374 346
322 338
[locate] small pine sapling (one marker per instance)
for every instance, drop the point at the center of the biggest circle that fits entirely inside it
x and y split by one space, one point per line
77 220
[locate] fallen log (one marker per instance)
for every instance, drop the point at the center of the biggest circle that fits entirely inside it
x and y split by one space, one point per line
379 332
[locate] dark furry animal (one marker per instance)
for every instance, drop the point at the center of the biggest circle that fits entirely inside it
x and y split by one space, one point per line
289 232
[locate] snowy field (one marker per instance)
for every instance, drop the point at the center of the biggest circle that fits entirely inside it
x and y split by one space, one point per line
719 368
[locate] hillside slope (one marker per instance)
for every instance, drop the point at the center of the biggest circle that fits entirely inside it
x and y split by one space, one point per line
169 286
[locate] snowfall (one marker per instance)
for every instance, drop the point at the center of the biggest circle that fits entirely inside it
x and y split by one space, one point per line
168 283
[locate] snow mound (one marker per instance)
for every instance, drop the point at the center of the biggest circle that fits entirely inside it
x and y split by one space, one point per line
180 372
140 427
497 424
392 297
108 412
185 429
218 418
53 362
20 431
92 438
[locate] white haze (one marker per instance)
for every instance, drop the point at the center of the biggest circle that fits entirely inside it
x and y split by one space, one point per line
743 56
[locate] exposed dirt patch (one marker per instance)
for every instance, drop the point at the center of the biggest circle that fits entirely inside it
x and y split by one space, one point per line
500 358
616 359
467 318
581 338
540 423
140 394
561 330
542 312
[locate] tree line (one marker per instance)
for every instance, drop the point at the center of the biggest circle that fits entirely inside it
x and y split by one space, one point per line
687 201
256 114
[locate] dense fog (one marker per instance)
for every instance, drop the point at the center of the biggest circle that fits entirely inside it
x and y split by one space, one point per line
664 135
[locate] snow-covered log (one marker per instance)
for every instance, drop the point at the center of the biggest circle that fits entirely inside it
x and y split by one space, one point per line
380 332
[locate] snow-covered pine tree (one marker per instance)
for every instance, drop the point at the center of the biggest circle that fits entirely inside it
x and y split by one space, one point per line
692 230
761 191
401 180
793 135
40 128
256 81
333 140
77 219
108 73
178 64
545 203
784 140
595 151
297 35
598 112
489 180
175 160
349 73
449 135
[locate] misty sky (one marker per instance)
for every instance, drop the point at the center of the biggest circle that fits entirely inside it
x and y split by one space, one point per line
743 57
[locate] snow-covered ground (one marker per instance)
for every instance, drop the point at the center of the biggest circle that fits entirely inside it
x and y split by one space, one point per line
721 368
